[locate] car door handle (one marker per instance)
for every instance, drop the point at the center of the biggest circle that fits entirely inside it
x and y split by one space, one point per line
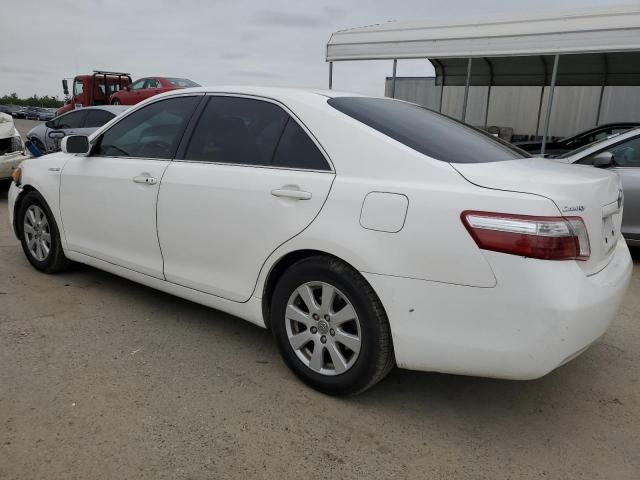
145 179
291 193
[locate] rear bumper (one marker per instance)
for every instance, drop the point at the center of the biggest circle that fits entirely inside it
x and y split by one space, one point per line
540 315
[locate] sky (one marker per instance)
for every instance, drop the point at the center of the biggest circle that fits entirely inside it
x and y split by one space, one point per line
214 42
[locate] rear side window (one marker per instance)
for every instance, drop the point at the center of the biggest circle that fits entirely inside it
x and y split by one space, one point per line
297 150
97 118
237 130
426 131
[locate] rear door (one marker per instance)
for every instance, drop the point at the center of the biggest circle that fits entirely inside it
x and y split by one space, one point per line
250 178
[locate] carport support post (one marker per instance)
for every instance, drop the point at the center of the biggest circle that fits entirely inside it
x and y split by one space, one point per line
466 90
552 87
393 78
330 75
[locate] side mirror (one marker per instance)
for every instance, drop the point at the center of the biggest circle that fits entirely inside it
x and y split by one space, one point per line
128 88
65 87
78 144
56 134
48 124
603 160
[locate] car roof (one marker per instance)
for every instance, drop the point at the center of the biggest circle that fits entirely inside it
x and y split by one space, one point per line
268 92
109 108
597 146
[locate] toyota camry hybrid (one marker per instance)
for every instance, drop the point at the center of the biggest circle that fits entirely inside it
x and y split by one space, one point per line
364 232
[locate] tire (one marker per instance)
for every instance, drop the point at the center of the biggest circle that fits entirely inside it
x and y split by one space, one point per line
298 334
115 101
36 224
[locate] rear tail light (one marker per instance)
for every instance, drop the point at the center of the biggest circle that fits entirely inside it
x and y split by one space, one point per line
547 238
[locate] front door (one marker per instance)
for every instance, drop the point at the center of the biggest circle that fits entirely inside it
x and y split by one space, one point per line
250 179
626 156
108 199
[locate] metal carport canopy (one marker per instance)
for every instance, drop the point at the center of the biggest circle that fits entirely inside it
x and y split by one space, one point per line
600 46
614 29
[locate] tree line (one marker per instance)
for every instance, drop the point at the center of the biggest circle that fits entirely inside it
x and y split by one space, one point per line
32 101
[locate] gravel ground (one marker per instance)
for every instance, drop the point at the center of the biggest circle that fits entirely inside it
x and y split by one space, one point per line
102 378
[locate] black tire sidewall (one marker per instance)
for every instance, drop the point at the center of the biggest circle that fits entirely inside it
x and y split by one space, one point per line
34 198
361 373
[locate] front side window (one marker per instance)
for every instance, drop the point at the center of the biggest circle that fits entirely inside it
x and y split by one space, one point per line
153 131
97 118
139 84
627 155
70 120
428 132
153 83
78 88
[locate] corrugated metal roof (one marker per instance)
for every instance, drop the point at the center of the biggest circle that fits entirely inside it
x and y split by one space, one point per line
611 29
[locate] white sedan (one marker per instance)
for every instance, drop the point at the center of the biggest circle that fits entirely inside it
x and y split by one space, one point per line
365 232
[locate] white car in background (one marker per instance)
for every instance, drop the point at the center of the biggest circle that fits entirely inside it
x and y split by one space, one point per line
365 232
11 147
84 121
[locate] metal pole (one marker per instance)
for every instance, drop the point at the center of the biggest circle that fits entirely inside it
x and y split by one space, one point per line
330 75
466 90
599 105
554 74
393 78
539 112
486 111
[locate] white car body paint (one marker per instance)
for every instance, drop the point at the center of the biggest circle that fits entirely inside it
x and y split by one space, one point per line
451 306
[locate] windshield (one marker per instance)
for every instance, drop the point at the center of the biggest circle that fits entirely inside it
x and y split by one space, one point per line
426 131
182 82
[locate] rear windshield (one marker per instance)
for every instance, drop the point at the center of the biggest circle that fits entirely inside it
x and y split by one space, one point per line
182 82
426 131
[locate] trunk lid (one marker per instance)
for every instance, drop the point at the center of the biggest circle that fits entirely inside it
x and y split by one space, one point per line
577 191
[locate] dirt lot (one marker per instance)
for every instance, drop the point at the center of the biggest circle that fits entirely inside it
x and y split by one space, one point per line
101 378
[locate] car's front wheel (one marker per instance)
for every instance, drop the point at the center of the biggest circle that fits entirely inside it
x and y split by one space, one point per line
331 327
39 234
115 101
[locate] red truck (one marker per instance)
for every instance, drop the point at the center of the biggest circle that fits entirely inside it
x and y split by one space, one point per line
94 89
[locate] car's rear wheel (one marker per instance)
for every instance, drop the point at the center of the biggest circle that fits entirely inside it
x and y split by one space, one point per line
331 327
115 101
39 235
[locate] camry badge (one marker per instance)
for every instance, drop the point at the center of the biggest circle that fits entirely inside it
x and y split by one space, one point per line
577 208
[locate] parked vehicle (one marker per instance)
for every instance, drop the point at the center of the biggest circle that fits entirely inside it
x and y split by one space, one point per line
363 231
47 136
32 113
148 87
11 148
559 147
20 112
94 89
620 154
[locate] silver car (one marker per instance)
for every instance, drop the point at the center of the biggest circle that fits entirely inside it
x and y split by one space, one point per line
47 136
620 153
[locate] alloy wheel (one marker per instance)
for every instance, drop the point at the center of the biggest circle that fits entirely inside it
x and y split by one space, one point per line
37 233
323 328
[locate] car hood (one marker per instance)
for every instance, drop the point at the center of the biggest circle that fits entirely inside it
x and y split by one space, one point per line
7 127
